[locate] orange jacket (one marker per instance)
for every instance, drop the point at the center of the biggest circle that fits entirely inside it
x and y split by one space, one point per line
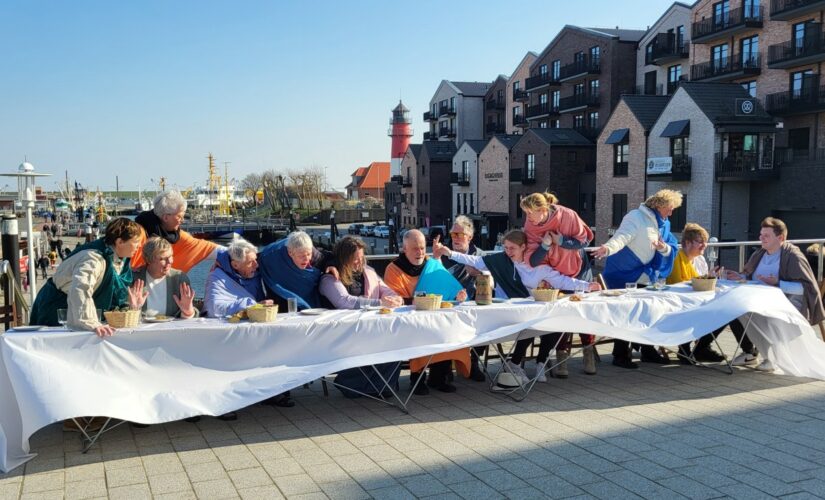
188 252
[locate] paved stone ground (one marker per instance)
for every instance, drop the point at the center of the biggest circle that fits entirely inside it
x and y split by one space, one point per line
656 432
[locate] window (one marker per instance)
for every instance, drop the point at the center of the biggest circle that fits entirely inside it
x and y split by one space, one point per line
458 203
594 88
530 166
420 198
465 170
452 103
721 13
751 9
472 207
719 56
749 48
680 37
649 53
593 120
650 83
516 110
543 101
679 217
554 100
465 204
595 53
578 121
543 124
500 95
674 73
620 154
543 70
434 110
678 147
516 85
556 69
802 83
578 89
578 57
750 87
554 123
619 209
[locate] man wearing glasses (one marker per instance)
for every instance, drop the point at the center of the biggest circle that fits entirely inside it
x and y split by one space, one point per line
461 240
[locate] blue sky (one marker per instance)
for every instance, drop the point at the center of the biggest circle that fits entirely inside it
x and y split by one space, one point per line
145 89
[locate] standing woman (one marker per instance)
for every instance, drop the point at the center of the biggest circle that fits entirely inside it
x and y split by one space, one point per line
642 249
557 236
96 276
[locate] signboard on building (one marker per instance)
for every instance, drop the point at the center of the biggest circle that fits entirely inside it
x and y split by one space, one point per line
661 165
745 107
493 176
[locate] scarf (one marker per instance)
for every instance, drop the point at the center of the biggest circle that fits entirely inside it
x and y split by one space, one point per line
408 267
505 275
252 285
154 227
287 280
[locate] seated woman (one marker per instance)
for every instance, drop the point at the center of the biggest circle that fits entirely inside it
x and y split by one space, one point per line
513 276
359 285
168 291
96 276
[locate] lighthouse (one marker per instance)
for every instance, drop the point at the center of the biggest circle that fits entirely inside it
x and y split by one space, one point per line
401 133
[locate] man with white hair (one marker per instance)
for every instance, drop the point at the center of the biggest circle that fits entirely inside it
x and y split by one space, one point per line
235 283
164 220
292 268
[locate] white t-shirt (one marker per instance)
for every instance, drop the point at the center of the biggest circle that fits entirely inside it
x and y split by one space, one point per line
700 264
156 301
768 265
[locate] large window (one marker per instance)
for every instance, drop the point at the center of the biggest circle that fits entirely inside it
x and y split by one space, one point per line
619 209
678 147
555 96
620 155
543 69
721 13
593 120
595 53
530 167
719 56
750 87
578 121
801 83
465 171
556 69
594 88
750 51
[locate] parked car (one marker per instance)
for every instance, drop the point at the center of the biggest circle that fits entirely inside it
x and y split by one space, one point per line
367 230
433 231
354 228
382 231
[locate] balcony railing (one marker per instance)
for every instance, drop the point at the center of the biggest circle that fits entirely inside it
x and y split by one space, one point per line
726 68
797 52
574 102
520 121
495 104
446 132
728 23
742 166
430 116
460 178
528 176
520 95
801 101
407 182
666 48
587 66
658 89
782 10
788 155
680 167
536 110
494 128
538 81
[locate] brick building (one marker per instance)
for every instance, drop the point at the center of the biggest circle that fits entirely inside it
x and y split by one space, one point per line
435 164
369 181
494 174
464 178
457 112
495 108
663 55
516 97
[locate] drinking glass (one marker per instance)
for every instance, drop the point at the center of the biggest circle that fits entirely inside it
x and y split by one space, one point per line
62 316
630 287
100 316
292 305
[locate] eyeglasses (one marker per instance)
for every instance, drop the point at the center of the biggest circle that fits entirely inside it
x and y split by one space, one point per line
455 234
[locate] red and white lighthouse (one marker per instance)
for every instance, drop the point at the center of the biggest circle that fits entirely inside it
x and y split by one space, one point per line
401 133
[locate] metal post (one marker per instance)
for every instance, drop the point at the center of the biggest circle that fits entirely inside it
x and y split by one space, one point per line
30 235
11 244
741 257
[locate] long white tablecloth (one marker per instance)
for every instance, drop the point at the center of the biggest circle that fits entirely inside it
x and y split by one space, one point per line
164 372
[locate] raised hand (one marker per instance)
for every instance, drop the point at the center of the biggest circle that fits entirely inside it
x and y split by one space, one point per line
333 271
461 296
547 240
137 295
439 249
184 300
600 252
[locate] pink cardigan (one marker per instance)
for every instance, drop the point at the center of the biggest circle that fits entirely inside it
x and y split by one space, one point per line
570 225
337 294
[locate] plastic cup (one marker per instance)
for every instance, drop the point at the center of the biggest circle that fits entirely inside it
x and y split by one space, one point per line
630 287
292 305
62 316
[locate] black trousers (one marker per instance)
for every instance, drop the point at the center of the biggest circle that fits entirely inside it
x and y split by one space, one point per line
738 330
546 344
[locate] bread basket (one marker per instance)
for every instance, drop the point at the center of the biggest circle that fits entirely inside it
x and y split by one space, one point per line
703 284
262 314
122 319
545 294
431 302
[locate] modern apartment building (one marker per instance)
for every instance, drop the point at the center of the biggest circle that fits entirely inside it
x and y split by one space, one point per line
578 78
457 112
464 178
775 50
662 58
517 97
495 108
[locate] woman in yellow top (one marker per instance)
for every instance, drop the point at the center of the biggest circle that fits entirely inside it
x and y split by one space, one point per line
690 263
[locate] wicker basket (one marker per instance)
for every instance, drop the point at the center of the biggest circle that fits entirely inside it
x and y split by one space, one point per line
703 284
265 314
427 303
545 294
122 319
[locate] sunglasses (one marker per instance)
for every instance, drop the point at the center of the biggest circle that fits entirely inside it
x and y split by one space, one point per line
455 234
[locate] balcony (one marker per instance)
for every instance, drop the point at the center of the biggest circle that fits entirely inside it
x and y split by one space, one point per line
741 166
520 95
726 68
539 81
406 182
430 136
521 175
679 170
797 53
578 69
577 102
538 110
446 111
495 104
796 102
460 178
430 117
782 10
666 49
446 132
658 89
495 128
733 21
520 121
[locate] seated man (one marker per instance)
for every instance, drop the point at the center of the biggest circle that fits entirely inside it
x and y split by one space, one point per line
690 263
782 264
403 275
168 291
461 240
164 220
292 268
359 285
235 284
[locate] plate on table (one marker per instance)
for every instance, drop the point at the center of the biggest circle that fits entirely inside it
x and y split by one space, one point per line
27 328
316 311
158 319
370 308
613 293
499 300
661 289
